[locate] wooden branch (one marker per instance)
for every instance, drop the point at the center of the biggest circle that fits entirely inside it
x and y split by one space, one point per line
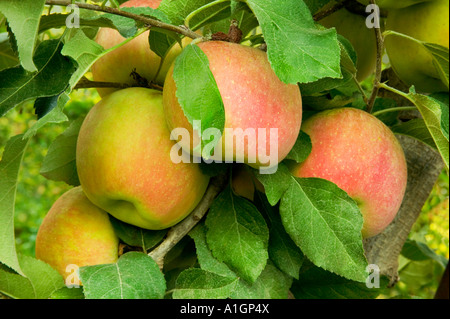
148 21
181 229
424 167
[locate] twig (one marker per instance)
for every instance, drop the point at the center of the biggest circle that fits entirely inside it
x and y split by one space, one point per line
329 11
84 83
180 230
148 21
378 71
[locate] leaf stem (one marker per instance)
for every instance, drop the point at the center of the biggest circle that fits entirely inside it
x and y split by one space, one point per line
148 21
195 12
395 109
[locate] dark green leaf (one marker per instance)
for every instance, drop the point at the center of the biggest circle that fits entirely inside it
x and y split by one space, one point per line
301 149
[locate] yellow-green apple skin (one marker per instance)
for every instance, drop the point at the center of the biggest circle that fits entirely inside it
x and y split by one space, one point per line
353 28
413 64
361 155
124 163
76 232
253 98
117 65
394 4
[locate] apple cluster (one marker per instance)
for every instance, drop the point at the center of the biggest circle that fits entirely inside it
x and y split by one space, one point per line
124 144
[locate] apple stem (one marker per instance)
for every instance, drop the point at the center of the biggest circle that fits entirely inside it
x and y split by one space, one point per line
177 232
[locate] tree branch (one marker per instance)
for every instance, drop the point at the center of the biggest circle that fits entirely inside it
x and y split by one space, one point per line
379 67
180 230
148 21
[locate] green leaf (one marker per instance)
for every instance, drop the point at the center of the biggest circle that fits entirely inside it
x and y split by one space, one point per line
68 293
39 280
84 51
326 224
9 172
54 71
301 149
205 258
237 235
418 251
440 60
297 50
195 283
283 252
271 284
8 57
59 163
275 184
199 99
433 112
317 283
136 236
417 129
134 276
23 19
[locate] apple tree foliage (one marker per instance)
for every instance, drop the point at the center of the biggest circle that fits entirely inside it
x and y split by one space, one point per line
240 249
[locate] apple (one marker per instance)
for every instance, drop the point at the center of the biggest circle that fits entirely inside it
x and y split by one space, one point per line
242 182
76 232
394 4
361 155
118 65
124 163
353 27
255 100
413 64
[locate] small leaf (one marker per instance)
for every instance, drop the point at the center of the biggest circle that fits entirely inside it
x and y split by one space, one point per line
8 57
418 251
39 280
298 51
417 129
196 283
275 184
23 19
134 276
440 60
59 163
237 235
135 236
301 149
9 172
326 224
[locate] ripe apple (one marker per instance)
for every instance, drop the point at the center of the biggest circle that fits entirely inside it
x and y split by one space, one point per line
353 27
361 155
124 162
412 63
254 98
76 232
118 65
394 4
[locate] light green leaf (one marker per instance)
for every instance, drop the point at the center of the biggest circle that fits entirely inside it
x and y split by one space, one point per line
326 224
440 60
9 172
195 283
199 99
275 184
298 51
301 149
23 19
59 163
39 280
134 276
237 235
417 129
8 58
